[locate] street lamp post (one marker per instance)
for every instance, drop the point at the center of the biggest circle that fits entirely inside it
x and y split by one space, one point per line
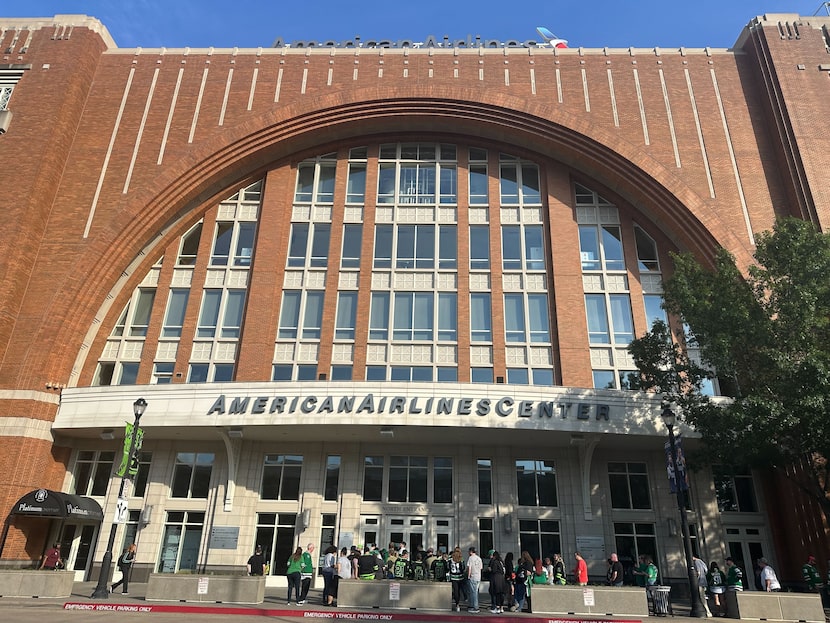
697 609
101 591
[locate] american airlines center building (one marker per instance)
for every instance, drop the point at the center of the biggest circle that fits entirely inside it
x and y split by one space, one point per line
377 292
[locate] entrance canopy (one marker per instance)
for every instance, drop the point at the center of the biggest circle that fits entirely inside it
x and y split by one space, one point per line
46 503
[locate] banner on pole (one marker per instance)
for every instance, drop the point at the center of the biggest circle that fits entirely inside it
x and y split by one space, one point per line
682 476
129 460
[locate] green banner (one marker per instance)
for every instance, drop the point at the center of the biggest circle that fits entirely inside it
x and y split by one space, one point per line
129 464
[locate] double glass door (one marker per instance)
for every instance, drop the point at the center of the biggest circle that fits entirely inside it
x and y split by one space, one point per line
746 546
76 545
416 531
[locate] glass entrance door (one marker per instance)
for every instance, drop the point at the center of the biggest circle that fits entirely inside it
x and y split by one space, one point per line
746 546
76 547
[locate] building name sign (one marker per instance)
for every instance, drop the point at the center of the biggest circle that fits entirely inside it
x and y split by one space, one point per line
429 42
413 405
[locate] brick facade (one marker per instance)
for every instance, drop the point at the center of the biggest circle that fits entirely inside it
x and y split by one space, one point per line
112 154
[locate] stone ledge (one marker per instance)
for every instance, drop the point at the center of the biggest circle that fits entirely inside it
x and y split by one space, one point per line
226 589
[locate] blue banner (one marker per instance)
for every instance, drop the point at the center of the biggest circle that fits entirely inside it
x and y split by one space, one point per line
682 476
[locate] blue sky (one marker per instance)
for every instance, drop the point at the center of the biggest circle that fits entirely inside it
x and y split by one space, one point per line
254 23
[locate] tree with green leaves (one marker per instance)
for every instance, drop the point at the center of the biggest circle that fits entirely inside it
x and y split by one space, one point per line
767 334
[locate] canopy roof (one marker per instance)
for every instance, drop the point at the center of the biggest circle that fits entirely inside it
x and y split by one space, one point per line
46 503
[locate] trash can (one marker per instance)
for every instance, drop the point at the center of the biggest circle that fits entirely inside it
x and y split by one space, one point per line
660 597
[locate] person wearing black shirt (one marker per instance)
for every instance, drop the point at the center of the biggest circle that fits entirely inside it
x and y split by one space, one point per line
256 563
367 565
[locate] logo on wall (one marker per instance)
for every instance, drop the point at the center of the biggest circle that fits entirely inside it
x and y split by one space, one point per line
41 495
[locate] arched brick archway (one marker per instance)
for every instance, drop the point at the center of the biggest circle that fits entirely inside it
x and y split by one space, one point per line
190 184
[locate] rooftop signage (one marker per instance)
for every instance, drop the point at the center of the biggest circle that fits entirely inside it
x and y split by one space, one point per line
429 42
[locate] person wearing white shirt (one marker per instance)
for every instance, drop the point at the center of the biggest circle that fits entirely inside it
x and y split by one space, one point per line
769 581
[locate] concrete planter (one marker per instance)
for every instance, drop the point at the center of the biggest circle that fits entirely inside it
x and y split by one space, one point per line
377 594
602 600
774 606
227 589
32 583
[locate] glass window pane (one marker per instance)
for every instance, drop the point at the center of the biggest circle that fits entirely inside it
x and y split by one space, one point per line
479 247
612 248
346 316
313 315
404 303
543 376
232 322
480 318
530 184
223 372
425 246
654 310
190 246
405 247
537 309
479 192
289 314
356 187
589 247
325 183
320 245
604 379
244 244
447 247
640 496
509 185
511 243
383 246
282 372
305 182
198 373
449 184
647 259
517 376
352 240
341 373
447 317
386 183
373 478
141 312
514 317
534 250
621 318
597 319
526 483
424 314
298 245
222 244
209 316
447 375
481 375
379 316
174 318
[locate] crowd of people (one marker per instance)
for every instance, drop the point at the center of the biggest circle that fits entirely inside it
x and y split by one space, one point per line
510 580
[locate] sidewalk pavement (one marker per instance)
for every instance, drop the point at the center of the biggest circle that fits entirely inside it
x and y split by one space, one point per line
80 608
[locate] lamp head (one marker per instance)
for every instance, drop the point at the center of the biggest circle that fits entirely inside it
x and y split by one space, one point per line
669 416
139 406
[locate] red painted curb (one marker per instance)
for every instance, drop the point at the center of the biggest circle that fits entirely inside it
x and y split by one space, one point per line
358 615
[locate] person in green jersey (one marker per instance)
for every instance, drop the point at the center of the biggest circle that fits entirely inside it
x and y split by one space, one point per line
811 575
734 576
